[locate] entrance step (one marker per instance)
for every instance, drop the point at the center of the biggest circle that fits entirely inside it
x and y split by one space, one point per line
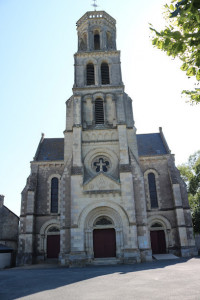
51 261
165 256
105 261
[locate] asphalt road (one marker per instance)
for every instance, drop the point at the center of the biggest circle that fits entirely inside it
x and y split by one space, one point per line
172 279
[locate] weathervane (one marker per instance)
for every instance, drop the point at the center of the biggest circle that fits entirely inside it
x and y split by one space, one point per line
94 4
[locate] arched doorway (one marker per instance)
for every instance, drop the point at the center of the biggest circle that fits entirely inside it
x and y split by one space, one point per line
53 242
104 238
158 241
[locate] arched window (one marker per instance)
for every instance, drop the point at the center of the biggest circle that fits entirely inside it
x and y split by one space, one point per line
96 41
90 74
99 111
152 190
54 195
105 78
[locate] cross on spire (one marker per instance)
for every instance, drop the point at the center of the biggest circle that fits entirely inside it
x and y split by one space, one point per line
94 4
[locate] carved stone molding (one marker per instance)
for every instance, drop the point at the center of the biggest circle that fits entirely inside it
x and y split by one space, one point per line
125 168
76 171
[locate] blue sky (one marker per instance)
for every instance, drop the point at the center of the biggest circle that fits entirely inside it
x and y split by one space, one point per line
38 39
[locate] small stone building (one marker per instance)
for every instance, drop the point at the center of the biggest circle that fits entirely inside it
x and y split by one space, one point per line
102 191
9 224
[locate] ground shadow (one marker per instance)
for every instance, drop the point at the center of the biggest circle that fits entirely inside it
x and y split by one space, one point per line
17 282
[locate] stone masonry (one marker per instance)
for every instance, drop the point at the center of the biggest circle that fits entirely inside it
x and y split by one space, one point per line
103 191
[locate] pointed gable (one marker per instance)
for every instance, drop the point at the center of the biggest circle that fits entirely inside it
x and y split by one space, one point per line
101 182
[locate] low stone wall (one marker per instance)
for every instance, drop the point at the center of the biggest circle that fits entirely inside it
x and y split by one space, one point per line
5 260
197 241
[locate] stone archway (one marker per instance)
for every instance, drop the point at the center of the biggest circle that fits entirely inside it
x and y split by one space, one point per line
160 234
50 239
101 225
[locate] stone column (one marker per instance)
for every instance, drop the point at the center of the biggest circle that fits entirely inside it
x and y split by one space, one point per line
77 132
120 109
123 145
96 75
180 219
77 110
29 229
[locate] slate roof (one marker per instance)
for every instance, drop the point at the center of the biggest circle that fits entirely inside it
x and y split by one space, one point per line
50 149
53 149
151 144
5 249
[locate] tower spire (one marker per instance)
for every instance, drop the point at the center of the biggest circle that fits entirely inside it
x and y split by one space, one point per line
94 4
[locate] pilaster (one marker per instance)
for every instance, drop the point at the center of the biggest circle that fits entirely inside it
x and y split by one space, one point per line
180 219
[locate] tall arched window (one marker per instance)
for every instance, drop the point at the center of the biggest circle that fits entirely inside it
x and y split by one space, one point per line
152 190
54 195
90 74
99 111
96 41
105 78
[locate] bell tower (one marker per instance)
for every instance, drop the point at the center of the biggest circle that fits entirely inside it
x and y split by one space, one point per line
102 194
100 148
99 100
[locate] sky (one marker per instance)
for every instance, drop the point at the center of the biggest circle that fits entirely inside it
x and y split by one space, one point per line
37 42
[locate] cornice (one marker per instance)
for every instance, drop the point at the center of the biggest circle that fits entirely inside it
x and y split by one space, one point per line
154 157
46 163
99 53
99 88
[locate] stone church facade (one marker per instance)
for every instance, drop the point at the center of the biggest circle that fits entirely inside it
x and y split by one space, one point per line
102 191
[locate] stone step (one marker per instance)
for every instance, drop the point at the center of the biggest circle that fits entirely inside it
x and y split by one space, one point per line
165 256
105 261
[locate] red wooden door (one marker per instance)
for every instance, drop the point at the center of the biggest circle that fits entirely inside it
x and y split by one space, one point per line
53 246
158 244
104 243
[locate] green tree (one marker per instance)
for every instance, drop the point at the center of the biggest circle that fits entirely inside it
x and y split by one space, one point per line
190 172
181 38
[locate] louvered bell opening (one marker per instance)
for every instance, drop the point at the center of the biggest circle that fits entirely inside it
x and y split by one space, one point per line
90 74
99 113
105 74
96 42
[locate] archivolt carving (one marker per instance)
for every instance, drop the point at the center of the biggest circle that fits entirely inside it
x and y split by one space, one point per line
100 136
106 208
48 224
159 219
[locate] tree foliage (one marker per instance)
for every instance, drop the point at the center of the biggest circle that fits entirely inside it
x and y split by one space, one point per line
181 38
190 172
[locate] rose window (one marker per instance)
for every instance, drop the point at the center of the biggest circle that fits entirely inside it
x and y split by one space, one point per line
101 164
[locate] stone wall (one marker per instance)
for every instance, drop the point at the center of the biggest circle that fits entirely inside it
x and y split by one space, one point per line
8 227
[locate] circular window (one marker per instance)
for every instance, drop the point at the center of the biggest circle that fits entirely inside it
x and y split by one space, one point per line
101 164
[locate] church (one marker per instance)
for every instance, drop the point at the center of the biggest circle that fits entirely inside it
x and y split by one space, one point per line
103 192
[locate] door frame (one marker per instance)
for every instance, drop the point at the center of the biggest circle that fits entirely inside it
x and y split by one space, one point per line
44 231
164 236
165 225
113 245
49 235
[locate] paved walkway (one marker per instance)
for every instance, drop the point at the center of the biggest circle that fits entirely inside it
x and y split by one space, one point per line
169 279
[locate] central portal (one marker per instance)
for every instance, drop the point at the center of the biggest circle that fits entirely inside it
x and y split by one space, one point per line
104 243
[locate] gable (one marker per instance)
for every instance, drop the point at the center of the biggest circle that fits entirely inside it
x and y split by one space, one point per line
101 183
